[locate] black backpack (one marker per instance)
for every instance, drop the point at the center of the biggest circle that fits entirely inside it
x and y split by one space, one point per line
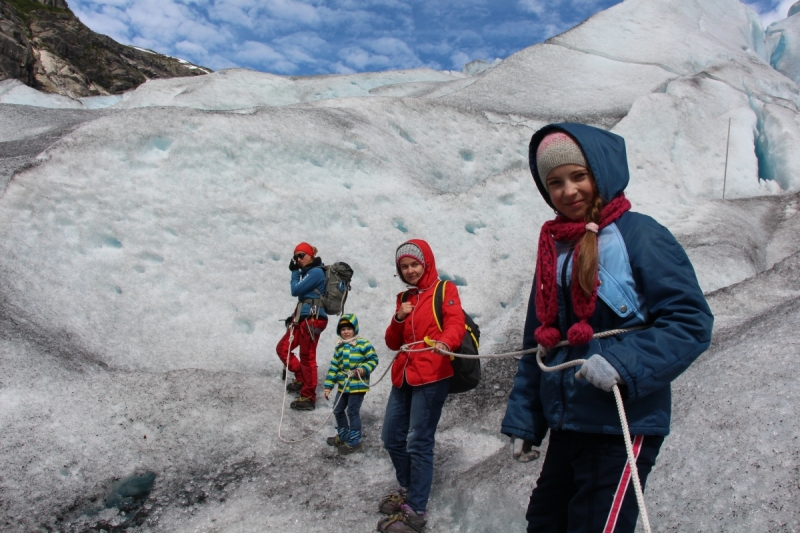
466 372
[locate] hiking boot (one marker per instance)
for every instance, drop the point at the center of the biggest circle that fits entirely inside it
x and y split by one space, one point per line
404 521
347 449
294 386
302 404
335 441
392 502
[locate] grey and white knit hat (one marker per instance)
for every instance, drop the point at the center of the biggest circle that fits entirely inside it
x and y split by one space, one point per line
557 149
409 249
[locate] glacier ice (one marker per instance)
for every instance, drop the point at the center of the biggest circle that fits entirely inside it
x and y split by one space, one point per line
143 274
783 40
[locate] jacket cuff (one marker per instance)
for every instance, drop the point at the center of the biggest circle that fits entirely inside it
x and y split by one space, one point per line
521 434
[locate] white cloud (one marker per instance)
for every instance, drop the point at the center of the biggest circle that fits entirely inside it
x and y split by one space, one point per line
391 46
255 53
295 11
110 21
340 68
459 59
191 48
224 12
440 48
357 57
537 7
303 47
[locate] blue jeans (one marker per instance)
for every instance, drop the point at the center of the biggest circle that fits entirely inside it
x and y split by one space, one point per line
409 426
348 416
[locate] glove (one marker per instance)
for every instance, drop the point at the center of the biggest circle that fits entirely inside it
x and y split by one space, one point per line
293 265
289 320
522 450
599 373
327 394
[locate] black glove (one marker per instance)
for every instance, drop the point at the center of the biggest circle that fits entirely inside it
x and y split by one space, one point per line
293 265
289 320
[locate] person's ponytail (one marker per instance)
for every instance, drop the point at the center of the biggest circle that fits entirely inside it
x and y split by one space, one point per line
588 257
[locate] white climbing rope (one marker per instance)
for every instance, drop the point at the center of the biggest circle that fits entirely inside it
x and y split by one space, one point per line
283 403
540 353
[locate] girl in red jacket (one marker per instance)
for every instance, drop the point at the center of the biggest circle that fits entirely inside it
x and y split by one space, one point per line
420 382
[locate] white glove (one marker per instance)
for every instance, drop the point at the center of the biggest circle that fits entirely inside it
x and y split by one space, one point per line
599 373
522 451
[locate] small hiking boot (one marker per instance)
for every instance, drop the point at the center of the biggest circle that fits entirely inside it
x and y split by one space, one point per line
294 386
403 521
347 449
335 441
303 404
392 502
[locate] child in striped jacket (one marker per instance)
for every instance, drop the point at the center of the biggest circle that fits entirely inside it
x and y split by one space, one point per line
354 358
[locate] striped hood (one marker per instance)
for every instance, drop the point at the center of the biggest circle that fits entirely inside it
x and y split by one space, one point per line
348 319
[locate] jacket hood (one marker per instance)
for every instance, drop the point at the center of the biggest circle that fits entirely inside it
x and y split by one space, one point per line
604 151
430 274
351 318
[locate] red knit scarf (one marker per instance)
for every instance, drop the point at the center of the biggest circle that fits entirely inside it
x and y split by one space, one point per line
563 229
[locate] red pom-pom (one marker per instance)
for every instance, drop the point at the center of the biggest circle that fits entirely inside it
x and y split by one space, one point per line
580 333
547 336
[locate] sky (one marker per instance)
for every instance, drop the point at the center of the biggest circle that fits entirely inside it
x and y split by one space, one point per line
306 37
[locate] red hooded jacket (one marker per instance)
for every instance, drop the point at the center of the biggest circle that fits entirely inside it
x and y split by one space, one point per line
421 368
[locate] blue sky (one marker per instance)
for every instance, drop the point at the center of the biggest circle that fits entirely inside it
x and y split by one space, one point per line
302 37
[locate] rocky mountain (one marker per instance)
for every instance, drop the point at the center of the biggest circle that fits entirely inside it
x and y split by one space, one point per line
44 45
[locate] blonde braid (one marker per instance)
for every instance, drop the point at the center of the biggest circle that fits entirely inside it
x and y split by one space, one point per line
588 257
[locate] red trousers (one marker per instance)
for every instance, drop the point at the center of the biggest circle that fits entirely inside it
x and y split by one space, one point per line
306 336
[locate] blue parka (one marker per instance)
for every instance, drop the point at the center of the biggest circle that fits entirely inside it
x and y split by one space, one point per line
646 278
308 283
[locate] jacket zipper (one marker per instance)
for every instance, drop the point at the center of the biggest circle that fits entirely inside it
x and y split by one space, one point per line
567 313
413 336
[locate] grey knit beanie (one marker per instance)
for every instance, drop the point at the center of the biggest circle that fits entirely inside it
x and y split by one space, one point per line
409 250
557 149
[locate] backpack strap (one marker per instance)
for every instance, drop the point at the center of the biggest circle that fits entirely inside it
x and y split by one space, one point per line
438 300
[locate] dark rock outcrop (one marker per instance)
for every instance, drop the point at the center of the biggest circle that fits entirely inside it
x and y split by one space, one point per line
44 45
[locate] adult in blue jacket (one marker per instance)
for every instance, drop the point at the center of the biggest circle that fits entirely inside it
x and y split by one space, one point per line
307 322
599 267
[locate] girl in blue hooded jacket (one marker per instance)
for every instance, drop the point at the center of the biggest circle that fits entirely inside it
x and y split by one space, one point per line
599 267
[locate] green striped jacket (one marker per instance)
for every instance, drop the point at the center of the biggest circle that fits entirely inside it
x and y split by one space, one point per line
351 355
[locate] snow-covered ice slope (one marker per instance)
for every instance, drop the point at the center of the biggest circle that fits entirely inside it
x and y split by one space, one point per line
144 280
242 89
